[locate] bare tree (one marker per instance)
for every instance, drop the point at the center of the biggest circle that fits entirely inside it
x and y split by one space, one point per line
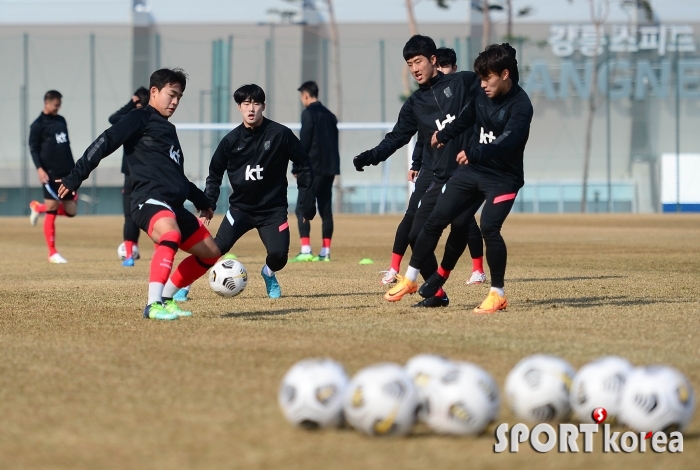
599 14
524 11
335 39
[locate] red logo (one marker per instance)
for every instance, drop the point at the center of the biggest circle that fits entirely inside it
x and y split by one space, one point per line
599 415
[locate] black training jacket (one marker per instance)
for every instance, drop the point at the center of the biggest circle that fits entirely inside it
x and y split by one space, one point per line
154 156
430 108
256 161
49 145
501 127
319 139
115 118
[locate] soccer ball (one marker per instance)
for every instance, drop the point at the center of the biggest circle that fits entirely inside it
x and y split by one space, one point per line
537 388
311 393
121 252
463 401
657 398
228 277
599 384
381 400
423 369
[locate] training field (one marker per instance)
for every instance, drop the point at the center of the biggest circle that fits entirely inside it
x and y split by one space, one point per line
85 382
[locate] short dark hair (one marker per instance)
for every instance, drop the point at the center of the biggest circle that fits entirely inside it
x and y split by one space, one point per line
446 57
310 87
419 45
52 95
143 95
496 58
251 92
161 78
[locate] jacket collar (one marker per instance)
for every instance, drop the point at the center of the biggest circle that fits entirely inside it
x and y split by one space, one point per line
433 81
502 98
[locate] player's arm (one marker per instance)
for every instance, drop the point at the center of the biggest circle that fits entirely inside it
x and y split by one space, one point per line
217 168
405 128
465 120
106 144
516 130
305 175
116 117
35 151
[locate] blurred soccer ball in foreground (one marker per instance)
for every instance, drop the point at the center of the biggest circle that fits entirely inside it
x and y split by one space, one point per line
381 400
462 401
311 393
121 252
423 369
657 398
228 277
537 388
599 384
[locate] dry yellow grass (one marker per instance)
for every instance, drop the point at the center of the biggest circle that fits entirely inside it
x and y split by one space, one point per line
85 382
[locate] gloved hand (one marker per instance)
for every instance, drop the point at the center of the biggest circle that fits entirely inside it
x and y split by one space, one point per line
362 160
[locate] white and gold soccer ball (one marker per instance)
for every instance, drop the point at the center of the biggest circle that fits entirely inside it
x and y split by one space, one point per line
311 393
228 277
381 400
537 388
465 400
121 252
423 369
657 398
599 384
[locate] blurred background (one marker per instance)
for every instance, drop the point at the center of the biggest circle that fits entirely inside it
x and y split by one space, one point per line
615 86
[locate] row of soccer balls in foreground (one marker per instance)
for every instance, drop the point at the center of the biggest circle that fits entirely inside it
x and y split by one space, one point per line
462 398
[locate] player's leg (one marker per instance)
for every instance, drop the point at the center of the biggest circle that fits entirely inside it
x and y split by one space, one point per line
52 204
274 233
324 198
131 230
455 198
159 222
36 208
305 252
476 250
401 239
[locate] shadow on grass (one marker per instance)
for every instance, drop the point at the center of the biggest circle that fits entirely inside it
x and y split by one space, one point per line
586 302
572 278
264 313
329 294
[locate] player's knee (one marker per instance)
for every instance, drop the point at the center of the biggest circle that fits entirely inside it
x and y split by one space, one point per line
171 238
276 260
491 233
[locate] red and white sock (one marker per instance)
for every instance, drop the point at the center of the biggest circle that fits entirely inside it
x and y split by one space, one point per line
443 272
129 248
50 231
478 264
188 271
306 245
326 249
396 262
162 264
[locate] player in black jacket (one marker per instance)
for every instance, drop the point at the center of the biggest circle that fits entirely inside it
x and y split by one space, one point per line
491 168
131 230
319 139
432 107
422 178
49 146
159 190
256 155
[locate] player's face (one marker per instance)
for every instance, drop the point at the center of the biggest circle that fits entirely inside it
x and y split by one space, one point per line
167 99
495 84
448 69
422 68
52 106
252 112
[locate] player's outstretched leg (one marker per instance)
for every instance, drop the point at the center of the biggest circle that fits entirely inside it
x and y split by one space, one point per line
476 250
35 210
274 233
305 252
166 235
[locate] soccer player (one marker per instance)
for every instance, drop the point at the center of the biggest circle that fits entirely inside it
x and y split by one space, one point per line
159 191
491 168
131 230
432 107
256 155
319 139
447 64
49 146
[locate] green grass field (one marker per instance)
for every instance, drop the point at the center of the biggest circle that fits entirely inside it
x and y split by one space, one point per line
85 382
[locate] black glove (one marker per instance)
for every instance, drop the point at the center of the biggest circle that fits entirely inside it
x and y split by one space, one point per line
362 160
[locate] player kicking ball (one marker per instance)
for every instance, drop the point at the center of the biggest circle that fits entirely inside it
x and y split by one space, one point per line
256 155
491 168
49 146
159 191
